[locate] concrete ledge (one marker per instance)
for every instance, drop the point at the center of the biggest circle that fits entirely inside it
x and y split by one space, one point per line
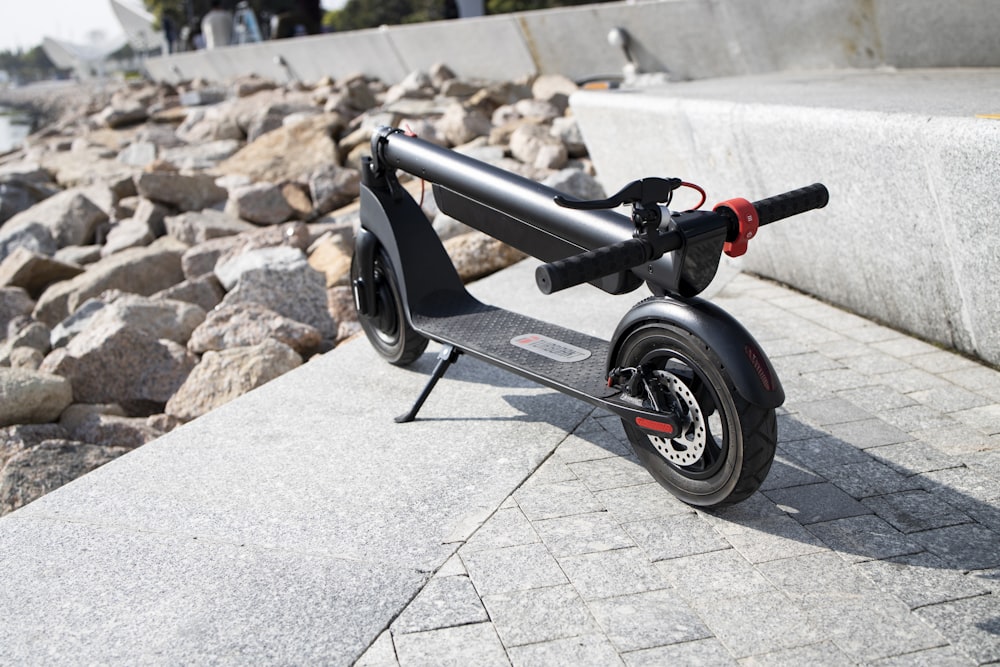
692 39
909 237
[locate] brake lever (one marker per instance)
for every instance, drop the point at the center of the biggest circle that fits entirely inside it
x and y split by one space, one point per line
644 192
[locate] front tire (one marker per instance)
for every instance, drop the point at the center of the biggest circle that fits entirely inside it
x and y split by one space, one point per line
387 328
727 446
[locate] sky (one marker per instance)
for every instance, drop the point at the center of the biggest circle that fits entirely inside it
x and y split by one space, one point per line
23 23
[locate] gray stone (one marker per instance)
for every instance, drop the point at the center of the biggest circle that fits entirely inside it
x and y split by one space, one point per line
530 142
260 203
14 439
606 574
278 258
697 653
862 538
194 227
287 153
33 271
203 155
475 644
648 619
582 534
106 425
460 125
69 216
33 236
577 183
30 397
251 324
222 376
203 291
475 255
34 472
187 193
816 502
444 602
332 187
512 569
566 129
559 498
15 303
676 536
127 233
539 615
138 153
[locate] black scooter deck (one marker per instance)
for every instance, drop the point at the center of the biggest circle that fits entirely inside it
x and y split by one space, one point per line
544 352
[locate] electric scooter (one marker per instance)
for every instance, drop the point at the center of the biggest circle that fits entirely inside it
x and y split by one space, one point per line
695 392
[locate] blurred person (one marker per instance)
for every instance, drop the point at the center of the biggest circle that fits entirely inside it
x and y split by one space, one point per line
217 26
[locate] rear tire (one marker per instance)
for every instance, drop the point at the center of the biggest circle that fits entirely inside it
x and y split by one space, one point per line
387 328
728 444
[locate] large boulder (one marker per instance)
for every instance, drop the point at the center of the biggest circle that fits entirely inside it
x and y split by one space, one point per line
15 303
69 216
184 192
222 376
157 317
32 397
251 324
476 255
261 203
137 270
106 425
195 227
34 272
288 153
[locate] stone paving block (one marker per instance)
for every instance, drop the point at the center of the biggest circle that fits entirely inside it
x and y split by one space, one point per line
675 536
443 603
820 453
801 364
876 397
512 568
462 646
964 487
609 573
584 651
941 361
790 428
969 546
863 538
642 501
912 511
911 458
831 411
913 379
945 656
976 378
552 471
582 533
875 364
381 653
816 502
869 433
869 332
986 418
961 441
697 653
453 567
803 389
825 653
871 628
506 528
719 574
818 576
645 620
922 579
904 346
870 478
786 472
593 442
548 501
848 347
949 399
610 473
837 379
918 417
539 615
770 538
784 347
758 624
972 625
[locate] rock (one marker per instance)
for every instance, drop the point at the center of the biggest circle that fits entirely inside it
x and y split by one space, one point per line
117 117
14 439
24 357
152 215
222 376
34 472
85 166
19 193
577 183
111 362
34 237
203 155
554 88
271 286
70 217
565 129
202 258
203 291
261 203
187 193
291 234
288 153
329 257
340 300
332 187
539 110
138 153
127 233
81 255
16 350
245 86
34 272
534 145
297 196
194 227
15 303
136 270
251 324
106 425
460 125
215 123
32 397
476 255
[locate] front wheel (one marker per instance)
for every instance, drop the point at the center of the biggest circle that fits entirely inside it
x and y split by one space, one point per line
726 446
387 328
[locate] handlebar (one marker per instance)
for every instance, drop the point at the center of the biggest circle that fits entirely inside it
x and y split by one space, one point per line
623 256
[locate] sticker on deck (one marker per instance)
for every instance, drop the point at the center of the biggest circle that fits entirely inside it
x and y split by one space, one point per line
550 347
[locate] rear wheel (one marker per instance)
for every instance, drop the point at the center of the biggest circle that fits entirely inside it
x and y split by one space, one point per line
387 328
726 445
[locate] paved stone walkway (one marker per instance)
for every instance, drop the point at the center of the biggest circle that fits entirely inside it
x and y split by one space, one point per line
875 540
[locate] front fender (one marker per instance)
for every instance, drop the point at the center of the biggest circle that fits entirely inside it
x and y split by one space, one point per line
745 362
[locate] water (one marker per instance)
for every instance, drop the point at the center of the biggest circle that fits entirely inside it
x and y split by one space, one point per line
14 127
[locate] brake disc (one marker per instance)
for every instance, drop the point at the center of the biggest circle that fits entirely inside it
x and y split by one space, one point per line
688 447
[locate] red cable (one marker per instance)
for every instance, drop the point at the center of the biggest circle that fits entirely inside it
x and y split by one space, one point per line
699 190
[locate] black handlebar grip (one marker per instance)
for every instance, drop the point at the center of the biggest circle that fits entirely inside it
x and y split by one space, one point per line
591 265
791 203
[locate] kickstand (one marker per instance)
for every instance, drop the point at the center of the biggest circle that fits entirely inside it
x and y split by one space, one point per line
446 357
